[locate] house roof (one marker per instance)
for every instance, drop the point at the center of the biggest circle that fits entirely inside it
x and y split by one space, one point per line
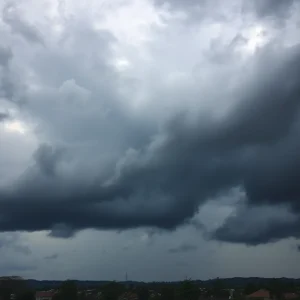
291 296
260 294
45 294
128 296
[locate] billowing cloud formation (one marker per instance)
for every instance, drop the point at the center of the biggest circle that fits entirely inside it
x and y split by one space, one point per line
131 137
256 225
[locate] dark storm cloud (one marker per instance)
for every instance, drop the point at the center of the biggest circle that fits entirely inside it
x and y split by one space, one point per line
257 225
275 231
298 248
162 184
183 248
61 231
47 158
272 8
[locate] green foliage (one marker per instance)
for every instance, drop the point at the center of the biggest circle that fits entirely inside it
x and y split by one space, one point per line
167 292
143 293
187 290
5 292
219 289
57 296
112 291
26 295
251 288
68 291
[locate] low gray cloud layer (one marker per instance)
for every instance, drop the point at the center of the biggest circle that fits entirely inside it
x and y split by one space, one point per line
52 256
183 248
102 164
3 116
12 242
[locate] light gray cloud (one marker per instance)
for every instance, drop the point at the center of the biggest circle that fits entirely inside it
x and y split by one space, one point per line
12 242
5 56
13 18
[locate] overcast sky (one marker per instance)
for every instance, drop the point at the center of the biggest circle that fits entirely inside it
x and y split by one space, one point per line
158 138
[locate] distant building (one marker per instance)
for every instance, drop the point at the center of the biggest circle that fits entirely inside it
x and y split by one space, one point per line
44 295
154 294
128 296
12 296
261 294
266 295
231 293
291 296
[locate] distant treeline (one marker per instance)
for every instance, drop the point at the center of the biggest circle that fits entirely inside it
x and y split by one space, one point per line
236 282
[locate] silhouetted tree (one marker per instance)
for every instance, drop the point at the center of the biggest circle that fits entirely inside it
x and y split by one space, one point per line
57 296
26 295
68 290
167 292
112 291
218 288
143 293
5 292
250 288
187 290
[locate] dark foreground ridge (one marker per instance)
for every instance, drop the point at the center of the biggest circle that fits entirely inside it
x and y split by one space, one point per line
254 288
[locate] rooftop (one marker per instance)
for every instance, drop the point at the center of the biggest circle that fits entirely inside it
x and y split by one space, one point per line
44 294
260 294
